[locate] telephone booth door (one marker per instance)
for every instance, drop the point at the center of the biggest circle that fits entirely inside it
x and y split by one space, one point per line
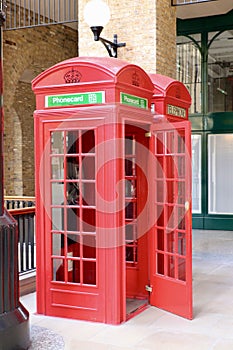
73 285
170 238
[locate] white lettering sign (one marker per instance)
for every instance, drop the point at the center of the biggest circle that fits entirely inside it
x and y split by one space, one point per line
176 111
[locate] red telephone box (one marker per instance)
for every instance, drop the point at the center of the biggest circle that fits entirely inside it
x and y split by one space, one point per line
95 186
171 236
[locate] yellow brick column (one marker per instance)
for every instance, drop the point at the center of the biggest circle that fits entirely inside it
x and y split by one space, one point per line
165 38
147 27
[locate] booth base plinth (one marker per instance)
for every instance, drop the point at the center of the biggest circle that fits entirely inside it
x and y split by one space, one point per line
14 329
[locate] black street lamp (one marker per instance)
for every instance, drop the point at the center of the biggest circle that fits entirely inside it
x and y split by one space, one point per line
97 15
14 318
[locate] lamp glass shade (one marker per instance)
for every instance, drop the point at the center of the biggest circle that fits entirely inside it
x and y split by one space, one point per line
96 13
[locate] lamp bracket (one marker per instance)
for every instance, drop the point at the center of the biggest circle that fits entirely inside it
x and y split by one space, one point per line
111 46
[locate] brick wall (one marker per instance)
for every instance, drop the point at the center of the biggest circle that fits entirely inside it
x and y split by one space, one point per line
26 53
147 27
165 38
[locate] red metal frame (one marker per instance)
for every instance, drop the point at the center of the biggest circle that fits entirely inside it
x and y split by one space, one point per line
66 297
101 238
171 236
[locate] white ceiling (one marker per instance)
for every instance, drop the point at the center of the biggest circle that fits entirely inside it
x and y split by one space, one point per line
204 9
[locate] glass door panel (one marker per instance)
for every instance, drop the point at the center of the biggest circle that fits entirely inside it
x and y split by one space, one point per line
73 207
170 240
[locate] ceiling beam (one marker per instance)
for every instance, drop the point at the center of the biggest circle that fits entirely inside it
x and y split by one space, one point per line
205 24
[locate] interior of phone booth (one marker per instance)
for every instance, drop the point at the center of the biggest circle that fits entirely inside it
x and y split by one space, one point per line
136 239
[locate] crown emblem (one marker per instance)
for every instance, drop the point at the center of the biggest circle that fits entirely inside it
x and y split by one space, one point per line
72 76
135 79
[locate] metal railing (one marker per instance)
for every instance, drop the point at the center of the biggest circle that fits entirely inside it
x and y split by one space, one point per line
31 13
16 202
23 211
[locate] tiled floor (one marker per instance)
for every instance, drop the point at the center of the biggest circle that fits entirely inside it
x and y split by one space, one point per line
211 328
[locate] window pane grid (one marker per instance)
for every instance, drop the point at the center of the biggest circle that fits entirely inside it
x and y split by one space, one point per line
73 208
131 243
170 247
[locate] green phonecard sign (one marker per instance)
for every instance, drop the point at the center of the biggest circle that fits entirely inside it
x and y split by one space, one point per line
85 98
134 101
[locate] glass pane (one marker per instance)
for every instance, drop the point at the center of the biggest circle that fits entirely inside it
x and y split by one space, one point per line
57 219
88 194
170 167
189 68
72 168
171 194
73 220
73 245
181 218
129 253
88 141
130 145
72 142
160 220
220 72
57 168
58 270
160 239
181 243
57 142
130 188
220 170
58 244
171 242
89 246
160 191
89 220
181 193
196 173
170 142
160 264
130 210
181 142
182 269
57 193
88 168
171 266
130 167
181 167
89 272
159 149
160 167
129 233
171 217
73 271
72 193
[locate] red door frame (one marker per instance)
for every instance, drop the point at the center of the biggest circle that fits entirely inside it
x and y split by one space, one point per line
106 301
171 234
137 265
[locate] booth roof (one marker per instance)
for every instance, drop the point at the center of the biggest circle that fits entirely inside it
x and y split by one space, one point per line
112 66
